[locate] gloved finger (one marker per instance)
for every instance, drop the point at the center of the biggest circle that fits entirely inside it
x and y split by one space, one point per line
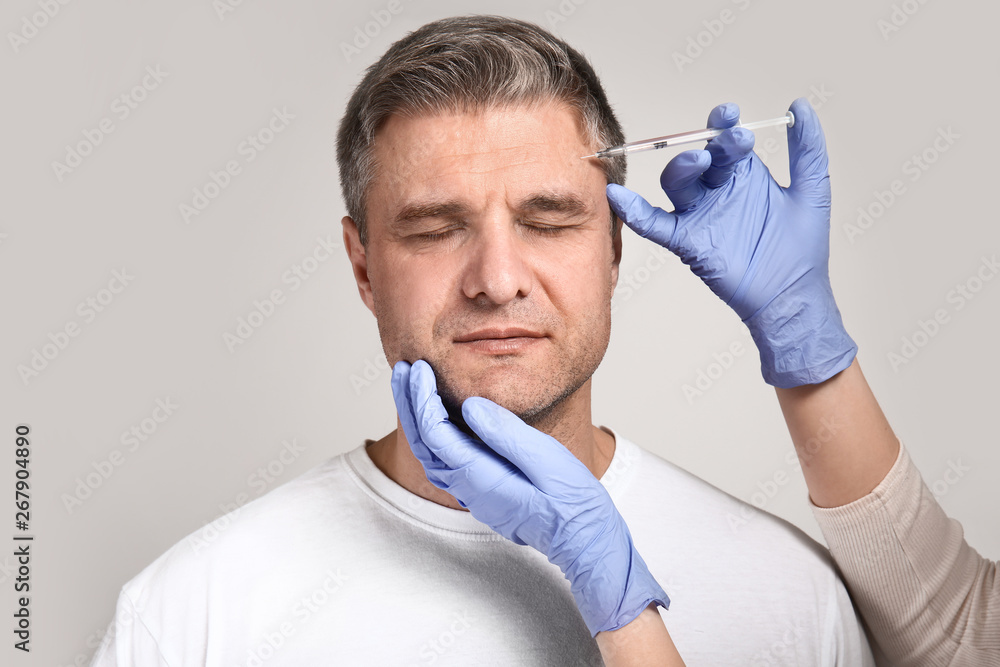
400 382
434 468
681 179
545 461
808 163
724 115
471 466
644 219
434 429
727 150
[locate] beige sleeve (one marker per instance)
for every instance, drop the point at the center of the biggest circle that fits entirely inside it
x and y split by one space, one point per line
927 597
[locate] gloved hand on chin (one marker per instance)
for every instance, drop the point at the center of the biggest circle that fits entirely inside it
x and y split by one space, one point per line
528 487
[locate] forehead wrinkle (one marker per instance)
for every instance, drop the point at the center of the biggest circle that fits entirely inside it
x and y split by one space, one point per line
495 159
483 151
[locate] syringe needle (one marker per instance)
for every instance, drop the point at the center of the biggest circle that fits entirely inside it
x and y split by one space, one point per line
686 138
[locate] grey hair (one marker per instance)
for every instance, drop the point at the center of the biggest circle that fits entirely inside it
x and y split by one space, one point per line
468 63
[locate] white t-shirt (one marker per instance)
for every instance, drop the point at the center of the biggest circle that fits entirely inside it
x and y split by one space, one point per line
342 566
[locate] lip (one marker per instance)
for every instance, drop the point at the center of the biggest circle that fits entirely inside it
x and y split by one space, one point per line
497 333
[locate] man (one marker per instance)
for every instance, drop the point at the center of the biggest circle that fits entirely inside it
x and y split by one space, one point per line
487 250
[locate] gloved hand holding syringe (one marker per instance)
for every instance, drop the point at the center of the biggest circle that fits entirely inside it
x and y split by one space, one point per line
761 248
686 137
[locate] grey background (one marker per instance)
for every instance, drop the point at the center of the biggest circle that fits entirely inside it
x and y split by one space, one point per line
314 371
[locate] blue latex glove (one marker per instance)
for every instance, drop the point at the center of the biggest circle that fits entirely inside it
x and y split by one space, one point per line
762 248
528 487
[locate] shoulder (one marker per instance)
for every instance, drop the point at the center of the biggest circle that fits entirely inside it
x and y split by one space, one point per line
658 493
239 575
734 570
256 532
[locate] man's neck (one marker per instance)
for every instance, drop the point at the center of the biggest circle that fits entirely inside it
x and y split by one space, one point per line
393 456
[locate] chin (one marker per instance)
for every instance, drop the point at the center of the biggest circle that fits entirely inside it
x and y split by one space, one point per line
534 407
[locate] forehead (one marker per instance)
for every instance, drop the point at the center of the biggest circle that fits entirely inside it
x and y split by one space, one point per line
483 155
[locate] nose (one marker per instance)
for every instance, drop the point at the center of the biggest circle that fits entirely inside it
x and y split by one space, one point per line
497 270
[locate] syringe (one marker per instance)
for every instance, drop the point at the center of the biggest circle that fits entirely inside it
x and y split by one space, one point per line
686 138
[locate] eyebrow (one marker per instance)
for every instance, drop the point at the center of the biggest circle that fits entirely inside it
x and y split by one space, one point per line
555 203
447 209
548 202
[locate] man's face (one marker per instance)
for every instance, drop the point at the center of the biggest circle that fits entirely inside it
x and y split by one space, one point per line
490 254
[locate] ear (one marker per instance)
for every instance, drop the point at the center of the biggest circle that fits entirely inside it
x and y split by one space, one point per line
616 246
358 257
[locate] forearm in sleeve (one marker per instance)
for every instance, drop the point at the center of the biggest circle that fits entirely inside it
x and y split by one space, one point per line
926 595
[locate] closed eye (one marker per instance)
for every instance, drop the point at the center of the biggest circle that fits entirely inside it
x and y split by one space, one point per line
433 236
437 234
546 228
